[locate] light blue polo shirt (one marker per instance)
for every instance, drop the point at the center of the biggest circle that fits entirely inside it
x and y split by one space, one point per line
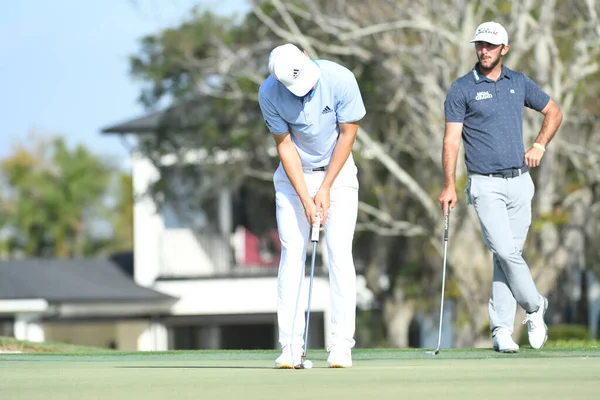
313 120
492 117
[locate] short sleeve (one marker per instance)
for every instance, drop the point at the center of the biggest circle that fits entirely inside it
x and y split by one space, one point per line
535 98
349 104
455 106
273 120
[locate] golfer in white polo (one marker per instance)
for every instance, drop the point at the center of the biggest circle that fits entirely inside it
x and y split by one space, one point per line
312 108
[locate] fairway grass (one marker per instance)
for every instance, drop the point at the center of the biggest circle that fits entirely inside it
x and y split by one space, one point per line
461 374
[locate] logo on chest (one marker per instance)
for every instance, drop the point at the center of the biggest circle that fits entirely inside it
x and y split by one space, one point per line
326 110
483 95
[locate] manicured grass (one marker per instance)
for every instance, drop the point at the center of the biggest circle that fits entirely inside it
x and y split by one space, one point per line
566 372
12 344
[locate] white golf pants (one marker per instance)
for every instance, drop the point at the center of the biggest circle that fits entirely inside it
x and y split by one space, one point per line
294 232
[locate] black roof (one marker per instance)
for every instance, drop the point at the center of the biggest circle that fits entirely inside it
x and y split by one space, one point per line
145 124
72 280
123 260
184 116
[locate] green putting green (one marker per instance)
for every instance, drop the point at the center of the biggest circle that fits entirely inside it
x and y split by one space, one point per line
553 373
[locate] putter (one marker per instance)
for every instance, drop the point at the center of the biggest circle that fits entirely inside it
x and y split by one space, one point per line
314 237
446 224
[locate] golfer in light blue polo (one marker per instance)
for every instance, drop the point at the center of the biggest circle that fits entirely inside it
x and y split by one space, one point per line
485 108
312 108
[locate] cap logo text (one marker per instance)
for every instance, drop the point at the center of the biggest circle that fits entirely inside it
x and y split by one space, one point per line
486 30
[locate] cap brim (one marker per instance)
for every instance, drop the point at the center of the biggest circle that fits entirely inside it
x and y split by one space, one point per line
306 80
484 37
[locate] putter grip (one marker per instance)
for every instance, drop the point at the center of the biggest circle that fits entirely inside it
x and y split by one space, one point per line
314 231
446 224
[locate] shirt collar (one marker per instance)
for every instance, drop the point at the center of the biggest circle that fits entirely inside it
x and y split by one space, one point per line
479 77
313 90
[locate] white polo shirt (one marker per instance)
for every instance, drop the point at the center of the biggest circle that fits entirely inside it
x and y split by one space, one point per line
313 120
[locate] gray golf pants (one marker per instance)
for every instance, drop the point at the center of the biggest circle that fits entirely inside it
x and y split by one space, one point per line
503 206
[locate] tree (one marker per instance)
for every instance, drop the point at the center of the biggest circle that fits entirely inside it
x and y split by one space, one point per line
121 215
405 55
50 200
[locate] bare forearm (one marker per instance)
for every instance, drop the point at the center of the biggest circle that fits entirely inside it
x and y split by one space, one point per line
449 158
549 127
340 155
293 168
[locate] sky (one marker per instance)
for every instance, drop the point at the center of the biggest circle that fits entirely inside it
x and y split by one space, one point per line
64 66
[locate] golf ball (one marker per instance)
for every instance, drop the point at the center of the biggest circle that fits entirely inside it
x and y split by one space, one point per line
307 364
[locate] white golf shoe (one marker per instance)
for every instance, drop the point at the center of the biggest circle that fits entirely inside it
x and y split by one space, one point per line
339 357
536 327
289 359
504 343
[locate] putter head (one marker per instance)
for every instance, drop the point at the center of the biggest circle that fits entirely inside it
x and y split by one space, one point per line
433 352
305 364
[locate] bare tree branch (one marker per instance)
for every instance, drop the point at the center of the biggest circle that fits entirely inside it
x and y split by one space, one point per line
401 228
399 173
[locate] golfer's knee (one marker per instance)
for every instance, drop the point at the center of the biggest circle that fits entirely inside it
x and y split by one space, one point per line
342 258
291 257
507 253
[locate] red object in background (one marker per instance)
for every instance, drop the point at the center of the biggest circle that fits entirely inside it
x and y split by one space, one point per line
251 251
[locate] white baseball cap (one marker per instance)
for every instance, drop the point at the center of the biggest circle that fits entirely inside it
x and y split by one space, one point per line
294 69
491 32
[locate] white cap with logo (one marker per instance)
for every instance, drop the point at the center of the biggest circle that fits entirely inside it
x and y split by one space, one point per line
294 69
491 32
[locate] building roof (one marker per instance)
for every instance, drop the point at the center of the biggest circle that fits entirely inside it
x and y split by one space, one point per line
184 116
144 124
72 281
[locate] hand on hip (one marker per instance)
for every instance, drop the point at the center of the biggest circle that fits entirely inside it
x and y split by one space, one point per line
533 157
